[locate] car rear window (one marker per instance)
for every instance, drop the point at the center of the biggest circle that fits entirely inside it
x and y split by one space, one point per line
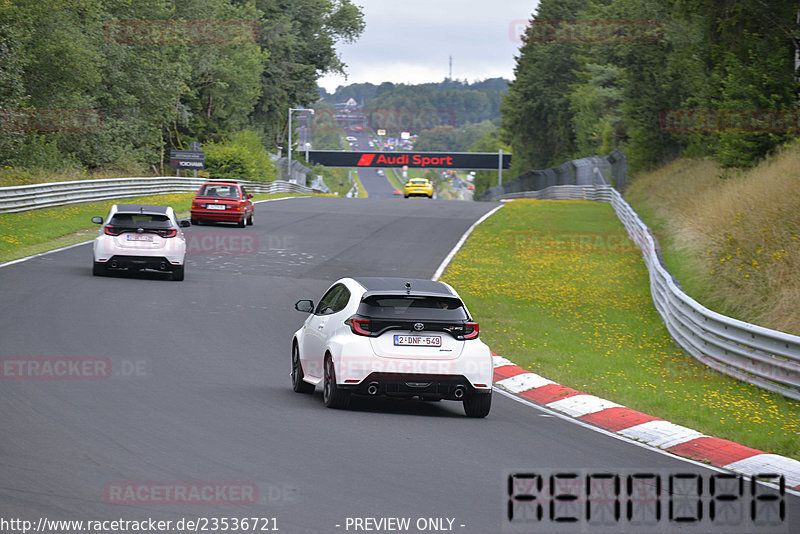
137 220
419 182
413 307
219 191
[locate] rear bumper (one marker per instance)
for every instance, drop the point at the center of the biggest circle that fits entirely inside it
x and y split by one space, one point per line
428 386
218 215
154 263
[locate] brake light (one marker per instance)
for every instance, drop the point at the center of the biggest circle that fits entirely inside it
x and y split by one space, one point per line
360 327
168 233
110 230
471 330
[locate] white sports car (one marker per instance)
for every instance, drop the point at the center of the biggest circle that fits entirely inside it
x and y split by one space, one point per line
138 237
394 337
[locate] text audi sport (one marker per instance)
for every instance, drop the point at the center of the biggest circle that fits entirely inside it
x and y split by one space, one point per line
393 337
140 237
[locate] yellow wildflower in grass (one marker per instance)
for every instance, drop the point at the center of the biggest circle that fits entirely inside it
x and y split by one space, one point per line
584 317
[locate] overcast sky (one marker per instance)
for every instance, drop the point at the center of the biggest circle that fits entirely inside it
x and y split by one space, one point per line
410 41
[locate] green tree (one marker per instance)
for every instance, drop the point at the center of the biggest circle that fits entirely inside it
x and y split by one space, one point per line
537 120
300 36
490 141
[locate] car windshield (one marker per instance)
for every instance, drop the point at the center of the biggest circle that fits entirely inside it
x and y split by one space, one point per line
138 220
419 182
219 191
441 308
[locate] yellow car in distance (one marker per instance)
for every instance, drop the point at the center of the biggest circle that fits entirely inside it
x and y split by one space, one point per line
418 187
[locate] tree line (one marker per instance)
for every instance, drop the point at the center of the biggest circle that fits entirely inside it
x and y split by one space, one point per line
657 78
458 102
157 74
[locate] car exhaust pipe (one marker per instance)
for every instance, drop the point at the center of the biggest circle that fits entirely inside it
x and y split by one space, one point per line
114 264
372 389
459 392
163 266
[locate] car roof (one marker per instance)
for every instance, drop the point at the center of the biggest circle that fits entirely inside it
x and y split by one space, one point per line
419 287
148 209
222 182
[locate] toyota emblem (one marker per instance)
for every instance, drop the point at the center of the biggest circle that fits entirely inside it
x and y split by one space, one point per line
419 326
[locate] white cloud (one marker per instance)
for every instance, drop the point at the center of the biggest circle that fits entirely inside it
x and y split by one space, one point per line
410 41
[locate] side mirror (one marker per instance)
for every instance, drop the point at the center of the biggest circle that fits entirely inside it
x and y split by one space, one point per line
249 195
305 306
97 220
185 223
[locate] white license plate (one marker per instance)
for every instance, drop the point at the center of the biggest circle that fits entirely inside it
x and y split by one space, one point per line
138 237
215 206
418 341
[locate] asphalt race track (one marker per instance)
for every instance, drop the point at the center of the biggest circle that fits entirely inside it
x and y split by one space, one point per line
200 395
377 186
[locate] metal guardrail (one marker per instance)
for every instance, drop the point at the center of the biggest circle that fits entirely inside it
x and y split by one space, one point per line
763 357
593 170
26 197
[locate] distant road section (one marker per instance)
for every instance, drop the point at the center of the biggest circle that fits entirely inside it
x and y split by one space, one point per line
377 186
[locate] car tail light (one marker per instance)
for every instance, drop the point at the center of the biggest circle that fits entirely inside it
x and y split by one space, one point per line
168 233
471 330
361 327
110 230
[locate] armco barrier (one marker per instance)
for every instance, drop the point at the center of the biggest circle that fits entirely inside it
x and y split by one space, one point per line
26 197
594 170
765 358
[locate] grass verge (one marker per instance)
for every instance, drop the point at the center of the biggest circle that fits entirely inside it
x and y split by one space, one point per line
362 193
34 231
732 237
560 290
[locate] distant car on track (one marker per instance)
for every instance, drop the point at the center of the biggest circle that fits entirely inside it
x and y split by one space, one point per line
418 187
140 237
395 337
223 201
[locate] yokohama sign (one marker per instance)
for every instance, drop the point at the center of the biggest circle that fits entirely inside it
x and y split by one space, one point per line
445 160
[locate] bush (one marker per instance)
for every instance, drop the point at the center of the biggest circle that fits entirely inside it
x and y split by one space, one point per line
242 157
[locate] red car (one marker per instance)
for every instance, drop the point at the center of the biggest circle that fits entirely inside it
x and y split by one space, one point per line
223 201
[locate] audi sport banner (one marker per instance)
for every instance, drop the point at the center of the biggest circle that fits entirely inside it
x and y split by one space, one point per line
446 160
